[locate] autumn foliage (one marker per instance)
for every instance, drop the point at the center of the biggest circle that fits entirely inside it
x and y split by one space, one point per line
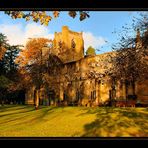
31 58
32 51
44 17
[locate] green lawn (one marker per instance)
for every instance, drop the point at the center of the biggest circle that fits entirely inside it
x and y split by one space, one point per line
21 120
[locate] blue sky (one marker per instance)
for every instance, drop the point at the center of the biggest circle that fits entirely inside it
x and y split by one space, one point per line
97 30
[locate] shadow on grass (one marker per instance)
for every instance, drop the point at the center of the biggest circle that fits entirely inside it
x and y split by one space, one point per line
39 117
11 107
17 112
117 122
30 115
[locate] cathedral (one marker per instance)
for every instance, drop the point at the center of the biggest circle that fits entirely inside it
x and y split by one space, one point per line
80 79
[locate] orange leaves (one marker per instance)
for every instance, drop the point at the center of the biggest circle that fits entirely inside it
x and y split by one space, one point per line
27 18
83 15
2 52
16 14
56 14
72 14
32 51
32 61
3 45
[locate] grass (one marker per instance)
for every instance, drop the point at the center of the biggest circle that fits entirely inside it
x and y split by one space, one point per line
25 121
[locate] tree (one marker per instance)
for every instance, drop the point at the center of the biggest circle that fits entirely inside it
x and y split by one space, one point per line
11 71
8 69
3 45
9 58
44 17
142 23
130 62
37 64
32 64
90 51
4 85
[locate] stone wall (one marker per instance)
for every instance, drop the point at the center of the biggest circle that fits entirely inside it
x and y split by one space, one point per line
74 81
67 52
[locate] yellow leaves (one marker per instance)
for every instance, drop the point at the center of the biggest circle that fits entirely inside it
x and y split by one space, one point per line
32 51
46 23
20 15
43 13
48 18
27 18
16 14
42 17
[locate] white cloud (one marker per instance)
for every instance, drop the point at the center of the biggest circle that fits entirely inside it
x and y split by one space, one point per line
94 41
16 34
35 30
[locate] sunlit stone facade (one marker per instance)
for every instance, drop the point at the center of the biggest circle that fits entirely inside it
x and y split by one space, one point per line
73 83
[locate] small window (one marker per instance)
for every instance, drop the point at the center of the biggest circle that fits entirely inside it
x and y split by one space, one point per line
78 95
91 95
65 96
73 44
94 94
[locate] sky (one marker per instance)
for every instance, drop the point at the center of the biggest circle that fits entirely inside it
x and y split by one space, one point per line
97 29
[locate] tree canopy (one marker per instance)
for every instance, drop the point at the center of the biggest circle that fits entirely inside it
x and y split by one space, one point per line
130 62
8 69
90 51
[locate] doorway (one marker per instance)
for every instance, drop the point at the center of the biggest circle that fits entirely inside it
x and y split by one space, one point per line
51 97
112 96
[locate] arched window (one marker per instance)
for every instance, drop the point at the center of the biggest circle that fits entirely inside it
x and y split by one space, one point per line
65 96
73 44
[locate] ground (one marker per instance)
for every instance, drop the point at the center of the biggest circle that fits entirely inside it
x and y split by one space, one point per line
25 121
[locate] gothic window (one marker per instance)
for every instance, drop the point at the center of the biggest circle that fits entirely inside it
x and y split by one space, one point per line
77 95
60 44
73 44
93 95
65 96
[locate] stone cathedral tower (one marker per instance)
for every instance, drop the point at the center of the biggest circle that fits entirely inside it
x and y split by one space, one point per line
68 45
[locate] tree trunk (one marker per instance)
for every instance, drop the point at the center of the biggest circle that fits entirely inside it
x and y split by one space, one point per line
37 99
